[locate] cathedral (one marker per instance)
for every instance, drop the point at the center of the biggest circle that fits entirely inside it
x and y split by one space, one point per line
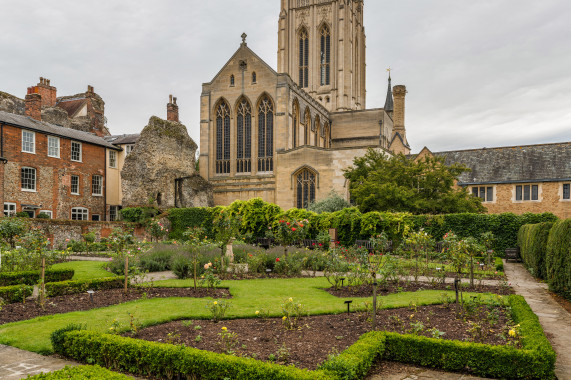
286 136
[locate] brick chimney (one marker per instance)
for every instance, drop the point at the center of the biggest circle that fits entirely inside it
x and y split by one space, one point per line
172 110
34 104
47 91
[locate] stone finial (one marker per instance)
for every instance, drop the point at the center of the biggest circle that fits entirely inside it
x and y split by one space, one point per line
244 36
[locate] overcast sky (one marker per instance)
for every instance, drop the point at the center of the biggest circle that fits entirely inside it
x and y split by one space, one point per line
479 73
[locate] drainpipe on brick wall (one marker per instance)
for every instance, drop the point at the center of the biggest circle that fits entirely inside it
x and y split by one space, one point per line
105 189
2 159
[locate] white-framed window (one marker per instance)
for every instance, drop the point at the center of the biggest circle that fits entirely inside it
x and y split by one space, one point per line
566 192
526 193
75 185
79 213
76 151
114 213
486 193
9 209
96 218
28 142
28 176
129 149
97 185
53 146
48 213
113 159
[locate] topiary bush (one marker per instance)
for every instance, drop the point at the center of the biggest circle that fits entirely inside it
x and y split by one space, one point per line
558 259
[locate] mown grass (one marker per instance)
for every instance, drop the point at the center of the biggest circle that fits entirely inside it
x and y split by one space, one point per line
248 296
85 270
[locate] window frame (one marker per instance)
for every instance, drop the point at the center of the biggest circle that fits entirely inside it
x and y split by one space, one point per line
485 193
128 149
35 189
54 138
80 151
325 55
47 212
9 212
527 193
83 211
33 142
94 216
303 41
112 159
568 190
78 185
100 185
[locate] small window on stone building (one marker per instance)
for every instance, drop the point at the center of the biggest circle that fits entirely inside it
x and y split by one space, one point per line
567 191
489 194
232 81
76 151
53 146
114 214
159 199
28 179
254 78
95 218
9 209
305 188
28 142
485 193
527 193
113 159
79 213
97 185
535 192
75 185
47 214
519 193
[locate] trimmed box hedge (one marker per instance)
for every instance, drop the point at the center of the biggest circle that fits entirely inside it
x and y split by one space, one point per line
33 277
15 293
63 288
532 241
536 360
558 258
80 373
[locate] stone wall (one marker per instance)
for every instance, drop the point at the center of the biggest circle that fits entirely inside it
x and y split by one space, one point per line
12 104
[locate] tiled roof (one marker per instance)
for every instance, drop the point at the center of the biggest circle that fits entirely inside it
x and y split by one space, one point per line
51 129
528 163
71 106
123 139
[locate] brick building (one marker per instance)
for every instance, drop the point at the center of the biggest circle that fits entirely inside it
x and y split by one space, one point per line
518 179
51 169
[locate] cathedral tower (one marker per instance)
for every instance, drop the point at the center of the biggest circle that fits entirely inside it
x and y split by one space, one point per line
321 45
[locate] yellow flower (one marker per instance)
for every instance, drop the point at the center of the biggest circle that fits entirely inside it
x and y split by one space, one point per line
284 318
512 333
216 303
257 312
290 299
224 329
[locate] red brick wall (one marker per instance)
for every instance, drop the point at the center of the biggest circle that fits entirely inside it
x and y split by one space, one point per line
53 175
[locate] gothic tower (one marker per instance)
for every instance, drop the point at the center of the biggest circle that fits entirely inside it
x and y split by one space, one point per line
321 45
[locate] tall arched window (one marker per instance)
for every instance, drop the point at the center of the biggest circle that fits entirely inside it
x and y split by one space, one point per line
244 137
266 135
306 127
223 138
254 77
317 129
232 80
303 58
325 60
305 181
295 125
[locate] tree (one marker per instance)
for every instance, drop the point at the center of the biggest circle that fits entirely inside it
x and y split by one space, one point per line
400 184
333 202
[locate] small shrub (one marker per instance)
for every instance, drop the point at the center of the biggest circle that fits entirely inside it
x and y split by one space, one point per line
218 309
58 336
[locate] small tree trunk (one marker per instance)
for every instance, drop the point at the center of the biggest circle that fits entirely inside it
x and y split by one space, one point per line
374 301
43 290
471 271
195 264
126 273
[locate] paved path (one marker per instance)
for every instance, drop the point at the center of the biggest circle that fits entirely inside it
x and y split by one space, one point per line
556 321
414 373
87 258
18 364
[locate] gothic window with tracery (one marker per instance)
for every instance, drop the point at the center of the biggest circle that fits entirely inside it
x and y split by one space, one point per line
244 137
266 135
325 59
303 58
223 138
295 123
305 188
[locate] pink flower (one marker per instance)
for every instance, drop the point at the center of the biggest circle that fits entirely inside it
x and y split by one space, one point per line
277 259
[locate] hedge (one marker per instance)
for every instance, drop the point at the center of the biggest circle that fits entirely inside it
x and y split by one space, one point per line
33 277
63 288
81 373
532 241
536 360
15 293
352 225
558 259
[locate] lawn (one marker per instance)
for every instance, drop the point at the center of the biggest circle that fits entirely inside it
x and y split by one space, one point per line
248 296
85 270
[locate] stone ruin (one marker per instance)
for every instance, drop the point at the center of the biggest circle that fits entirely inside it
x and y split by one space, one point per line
160 171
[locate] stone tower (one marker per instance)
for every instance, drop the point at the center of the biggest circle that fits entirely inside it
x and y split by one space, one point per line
321 45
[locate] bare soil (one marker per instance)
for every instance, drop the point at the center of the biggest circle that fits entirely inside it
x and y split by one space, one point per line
81 302
316 337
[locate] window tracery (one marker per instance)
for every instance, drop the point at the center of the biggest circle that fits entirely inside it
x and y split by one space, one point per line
244 137
266 135
325 59
305 188
223 138
303 58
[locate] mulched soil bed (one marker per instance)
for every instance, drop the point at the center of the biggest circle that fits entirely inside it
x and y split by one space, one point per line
80 302
390 288
318 336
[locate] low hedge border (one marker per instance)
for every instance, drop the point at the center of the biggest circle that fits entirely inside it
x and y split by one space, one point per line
63 288
15 293
33 277
535 361
81 372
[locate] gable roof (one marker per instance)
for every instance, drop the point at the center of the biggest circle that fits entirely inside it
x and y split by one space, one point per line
526 163
54 130
72 106
123 139
245 47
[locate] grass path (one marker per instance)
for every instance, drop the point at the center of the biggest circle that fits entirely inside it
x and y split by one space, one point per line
248 296
85 270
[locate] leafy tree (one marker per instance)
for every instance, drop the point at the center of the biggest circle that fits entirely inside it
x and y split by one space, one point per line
11 228
400 184
333 202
